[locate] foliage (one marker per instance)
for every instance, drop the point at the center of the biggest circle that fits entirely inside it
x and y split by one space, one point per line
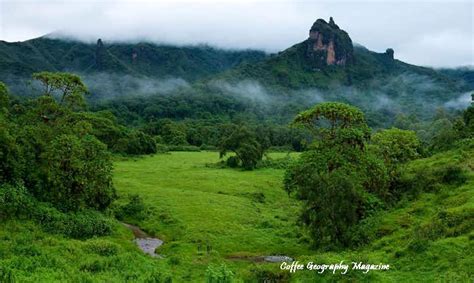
244 144
135 143
335 123
70 87
468 118
219 274
14 201
52 151
396 146
17 203
337 179
79 173
4 97
133 209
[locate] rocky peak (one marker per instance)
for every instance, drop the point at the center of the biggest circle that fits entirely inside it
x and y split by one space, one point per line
389 53
328 44
99 54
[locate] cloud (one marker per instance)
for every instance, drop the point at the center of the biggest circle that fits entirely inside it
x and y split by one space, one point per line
461 102
247 89
434 33
106 86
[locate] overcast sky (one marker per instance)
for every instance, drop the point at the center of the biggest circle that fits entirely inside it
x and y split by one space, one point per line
430 33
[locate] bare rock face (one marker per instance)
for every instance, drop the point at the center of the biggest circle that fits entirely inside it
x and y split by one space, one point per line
328 45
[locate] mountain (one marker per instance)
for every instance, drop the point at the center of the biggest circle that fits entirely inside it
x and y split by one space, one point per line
465 74
327 65
329 57
139 59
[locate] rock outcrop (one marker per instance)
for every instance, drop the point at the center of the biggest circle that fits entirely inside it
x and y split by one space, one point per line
328 45
389 53
100 54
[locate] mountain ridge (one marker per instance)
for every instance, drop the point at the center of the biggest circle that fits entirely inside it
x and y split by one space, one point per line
142 58
327 57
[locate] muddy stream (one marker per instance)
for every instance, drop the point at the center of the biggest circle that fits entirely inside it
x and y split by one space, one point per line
146 243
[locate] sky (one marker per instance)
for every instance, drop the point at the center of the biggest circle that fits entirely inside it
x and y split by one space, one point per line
435 33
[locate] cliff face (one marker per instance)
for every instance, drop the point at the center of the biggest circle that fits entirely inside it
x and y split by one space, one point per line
328 45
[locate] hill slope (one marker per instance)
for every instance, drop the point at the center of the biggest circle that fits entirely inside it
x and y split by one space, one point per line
145 59
328 57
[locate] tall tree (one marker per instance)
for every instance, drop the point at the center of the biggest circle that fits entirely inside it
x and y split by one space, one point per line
337 179
69 87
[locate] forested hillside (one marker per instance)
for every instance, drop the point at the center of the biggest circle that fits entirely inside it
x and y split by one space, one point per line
19 60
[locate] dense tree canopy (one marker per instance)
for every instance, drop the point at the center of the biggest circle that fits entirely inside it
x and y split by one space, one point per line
338 179
47 146
69 87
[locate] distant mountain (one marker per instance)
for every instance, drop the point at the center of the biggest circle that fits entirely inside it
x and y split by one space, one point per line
140 59
324 66
328 57
465 74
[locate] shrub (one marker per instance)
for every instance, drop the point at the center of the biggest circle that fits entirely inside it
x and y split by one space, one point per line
245 145
15 201
452 174
262 274
101 247
396 146
219 274
161 148
135 143
278 163
78 174
232 162
81 224
208 147
134 208
183 148
157 277
6 275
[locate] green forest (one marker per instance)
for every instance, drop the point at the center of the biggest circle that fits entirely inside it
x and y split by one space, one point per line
207 165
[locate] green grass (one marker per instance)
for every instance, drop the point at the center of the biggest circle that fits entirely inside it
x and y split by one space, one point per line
208 215
32 255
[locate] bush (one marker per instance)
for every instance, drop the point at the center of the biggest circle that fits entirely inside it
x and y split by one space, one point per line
262 274
161 148
278 163
245 145
208 147
81 224
452 174
232 162
6 275
134 208
78 174
15 201
219 274
428 179
183 148
101 247
136 143
157 277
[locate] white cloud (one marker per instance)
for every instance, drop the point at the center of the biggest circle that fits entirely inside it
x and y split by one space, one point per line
434 33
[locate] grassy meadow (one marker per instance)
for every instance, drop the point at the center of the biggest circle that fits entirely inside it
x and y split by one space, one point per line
208 215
